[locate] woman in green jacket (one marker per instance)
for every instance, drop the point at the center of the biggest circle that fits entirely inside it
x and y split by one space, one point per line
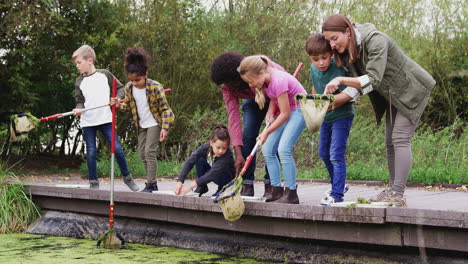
400 88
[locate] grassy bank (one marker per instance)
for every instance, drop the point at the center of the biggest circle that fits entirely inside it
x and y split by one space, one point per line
17 210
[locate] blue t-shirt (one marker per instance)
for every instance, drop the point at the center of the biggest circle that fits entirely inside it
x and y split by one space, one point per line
320 79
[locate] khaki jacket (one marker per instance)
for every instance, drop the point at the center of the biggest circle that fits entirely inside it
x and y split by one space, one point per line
395 78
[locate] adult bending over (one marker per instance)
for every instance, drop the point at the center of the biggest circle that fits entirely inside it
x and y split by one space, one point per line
224 72
401 90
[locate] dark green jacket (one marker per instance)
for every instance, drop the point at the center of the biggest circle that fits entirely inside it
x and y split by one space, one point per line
395 78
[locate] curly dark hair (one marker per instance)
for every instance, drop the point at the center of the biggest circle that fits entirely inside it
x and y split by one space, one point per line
136 61
224 70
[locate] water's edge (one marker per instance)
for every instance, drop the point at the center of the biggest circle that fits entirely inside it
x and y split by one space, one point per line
224 242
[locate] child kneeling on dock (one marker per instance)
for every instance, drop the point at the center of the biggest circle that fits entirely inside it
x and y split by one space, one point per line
214 163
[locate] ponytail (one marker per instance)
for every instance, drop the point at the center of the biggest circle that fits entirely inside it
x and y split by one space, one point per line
253 65
220 132
136 61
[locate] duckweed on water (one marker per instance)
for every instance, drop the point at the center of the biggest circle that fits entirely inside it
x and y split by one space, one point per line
37 249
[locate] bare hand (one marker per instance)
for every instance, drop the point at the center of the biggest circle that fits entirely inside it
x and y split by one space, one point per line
77 111
185 190
178 188
332 86
163 135
269 118
262 137
239 163
114 101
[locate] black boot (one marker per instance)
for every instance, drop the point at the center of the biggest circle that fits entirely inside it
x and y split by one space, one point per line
276 193
289 197
150 187
247 190
268 191
217 191
201 190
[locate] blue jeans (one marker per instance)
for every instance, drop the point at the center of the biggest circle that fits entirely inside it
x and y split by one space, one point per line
89 134
332 148
253 118
282 141
202 167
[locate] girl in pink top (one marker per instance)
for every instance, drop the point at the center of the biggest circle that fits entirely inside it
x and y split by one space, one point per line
284 130
243 135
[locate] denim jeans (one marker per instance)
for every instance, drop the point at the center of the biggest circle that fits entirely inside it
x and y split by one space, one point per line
89 134
202 167
253 118
282 141
332 149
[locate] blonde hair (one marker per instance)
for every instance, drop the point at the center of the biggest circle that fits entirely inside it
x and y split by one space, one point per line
253 65
86 52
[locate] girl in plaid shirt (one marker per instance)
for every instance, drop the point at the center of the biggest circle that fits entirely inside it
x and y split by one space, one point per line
151 112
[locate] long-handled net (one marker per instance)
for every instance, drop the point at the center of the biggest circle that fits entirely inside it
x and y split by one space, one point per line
21 124
314 108
230 200
111 239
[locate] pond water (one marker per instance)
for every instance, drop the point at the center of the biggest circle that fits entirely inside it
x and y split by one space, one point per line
37 249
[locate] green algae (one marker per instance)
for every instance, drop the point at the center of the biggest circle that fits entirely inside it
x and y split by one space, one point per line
28 248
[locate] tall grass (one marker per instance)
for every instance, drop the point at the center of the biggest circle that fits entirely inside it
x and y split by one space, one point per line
17 210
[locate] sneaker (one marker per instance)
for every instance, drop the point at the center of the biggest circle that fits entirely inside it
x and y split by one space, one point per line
94 184
328 192
128 180
329 200
201 190
381 196
150 187
395 199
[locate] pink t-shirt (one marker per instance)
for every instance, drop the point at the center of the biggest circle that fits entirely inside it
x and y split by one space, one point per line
232 106
281 82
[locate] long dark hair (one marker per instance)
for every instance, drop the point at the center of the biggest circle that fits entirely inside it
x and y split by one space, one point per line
136 61
340 23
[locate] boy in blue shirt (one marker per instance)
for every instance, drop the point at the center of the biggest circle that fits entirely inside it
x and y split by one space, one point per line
335 129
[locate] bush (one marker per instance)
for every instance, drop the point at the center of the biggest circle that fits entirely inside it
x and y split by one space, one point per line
17 211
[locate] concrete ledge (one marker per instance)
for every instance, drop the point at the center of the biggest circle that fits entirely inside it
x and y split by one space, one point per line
426 217
435 237
400 227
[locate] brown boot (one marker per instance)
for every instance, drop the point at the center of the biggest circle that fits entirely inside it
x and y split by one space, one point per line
276 193
268 191
289 197
247 190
